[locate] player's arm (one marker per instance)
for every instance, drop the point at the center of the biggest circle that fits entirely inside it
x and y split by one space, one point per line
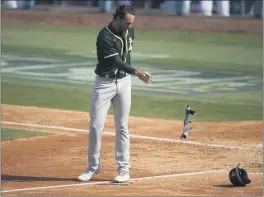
111 56
144 76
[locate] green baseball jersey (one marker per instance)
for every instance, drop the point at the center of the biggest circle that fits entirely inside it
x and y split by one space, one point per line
109 44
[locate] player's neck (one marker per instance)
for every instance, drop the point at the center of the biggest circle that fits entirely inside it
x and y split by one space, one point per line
115 27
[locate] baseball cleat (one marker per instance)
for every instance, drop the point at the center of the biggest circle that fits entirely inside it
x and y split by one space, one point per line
121 178
87 175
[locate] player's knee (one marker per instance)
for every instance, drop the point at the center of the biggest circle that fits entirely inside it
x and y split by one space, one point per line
122 127
96 127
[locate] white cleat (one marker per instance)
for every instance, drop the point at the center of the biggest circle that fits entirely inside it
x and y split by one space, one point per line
87 175
121 178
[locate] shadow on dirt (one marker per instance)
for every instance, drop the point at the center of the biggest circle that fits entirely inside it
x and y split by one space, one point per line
32 178
225 185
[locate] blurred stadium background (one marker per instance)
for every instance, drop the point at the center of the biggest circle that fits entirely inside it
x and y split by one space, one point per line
227 8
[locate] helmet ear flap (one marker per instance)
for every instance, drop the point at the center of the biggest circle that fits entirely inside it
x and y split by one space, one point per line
244 176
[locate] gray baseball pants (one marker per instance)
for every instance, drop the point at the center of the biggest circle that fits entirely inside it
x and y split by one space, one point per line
105 92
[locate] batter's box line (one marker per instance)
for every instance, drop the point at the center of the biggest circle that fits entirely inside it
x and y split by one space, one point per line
133 136
110 182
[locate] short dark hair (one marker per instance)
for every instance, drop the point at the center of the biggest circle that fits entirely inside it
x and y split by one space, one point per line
122 10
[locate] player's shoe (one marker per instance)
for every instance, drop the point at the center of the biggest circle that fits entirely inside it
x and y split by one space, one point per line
122 177
87 175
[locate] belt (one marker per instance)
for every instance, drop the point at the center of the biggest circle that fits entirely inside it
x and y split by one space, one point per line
113 75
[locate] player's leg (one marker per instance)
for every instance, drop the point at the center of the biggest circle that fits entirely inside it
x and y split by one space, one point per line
102 94
186 7
207 7
169 7
11 4
223 7
179 7
248 6
258 9
121 104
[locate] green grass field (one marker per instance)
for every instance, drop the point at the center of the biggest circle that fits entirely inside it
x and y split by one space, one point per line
12 134
187 49
199 51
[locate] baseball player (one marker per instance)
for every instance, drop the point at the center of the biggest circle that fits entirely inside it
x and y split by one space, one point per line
113 85
10 4
223 7
183 7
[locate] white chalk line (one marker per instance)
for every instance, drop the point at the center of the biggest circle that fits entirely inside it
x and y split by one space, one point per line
256 173
134 136
18 57
108 182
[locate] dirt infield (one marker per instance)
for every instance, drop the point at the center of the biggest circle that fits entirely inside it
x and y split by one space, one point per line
98 20
57 159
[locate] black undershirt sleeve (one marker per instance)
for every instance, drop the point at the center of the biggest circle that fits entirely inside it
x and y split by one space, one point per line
121 65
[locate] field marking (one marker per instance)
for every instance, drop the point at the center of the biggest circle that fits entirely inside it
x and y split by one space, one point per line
46 79
132 179
20 70
256 173
3 63
166 81
105 182
18 57
134 136
136 55
260 145
77 148
88 82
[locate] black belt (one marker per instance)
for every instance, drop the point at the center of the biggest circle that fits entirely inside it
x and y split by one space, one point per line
113 75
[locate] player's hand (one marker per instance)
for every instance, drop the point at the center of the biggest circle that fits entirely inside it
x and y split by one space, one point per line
144 76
